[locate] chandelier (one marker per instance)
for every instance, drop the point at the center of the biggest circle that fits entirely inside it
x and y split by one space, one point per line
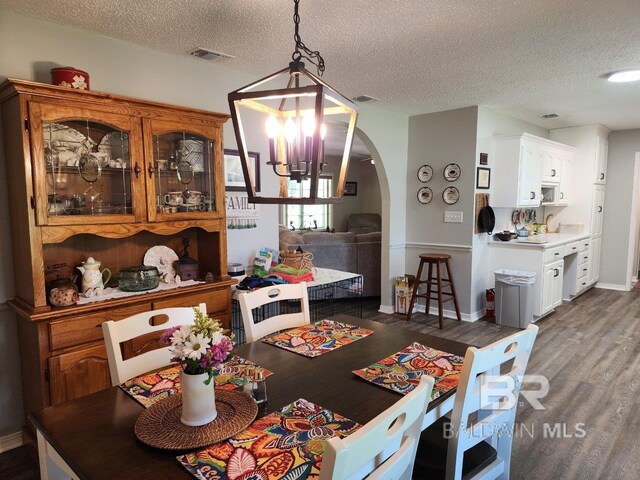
293 115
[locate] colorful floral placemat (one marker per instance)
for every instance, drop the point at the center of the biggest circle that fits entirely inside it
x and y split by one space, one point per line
317 338
287 444
148 389
401 371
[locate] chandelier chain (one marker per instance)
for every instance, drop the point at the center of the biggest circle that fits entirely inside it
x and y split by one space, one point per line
312 55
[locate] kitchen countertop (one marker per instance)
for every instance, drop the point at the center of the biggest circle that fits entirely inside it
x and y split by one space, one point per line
547 240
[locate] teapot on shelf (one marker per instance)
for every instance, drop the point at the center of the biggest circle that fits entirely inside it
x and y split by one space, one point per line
92 278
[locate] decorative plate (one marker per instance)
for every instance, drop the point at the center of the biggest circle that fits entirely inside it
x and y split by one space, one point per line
115 145
425 173
425 194
452 172
451 195
161 257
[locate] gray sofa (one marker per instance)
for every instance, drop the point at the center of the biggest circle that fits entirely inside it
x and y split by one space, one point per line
346 251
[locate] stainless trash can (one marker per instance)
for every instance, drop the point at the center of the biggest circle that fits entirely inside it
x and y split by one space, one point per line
514 297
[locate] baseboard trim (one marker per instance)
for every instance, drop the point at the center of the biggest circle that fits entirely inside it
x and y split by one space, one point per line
11 441
466 317
388 309
612 286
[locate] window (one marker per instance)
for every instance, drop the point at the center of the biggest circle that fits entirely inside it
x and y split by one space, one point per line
308 216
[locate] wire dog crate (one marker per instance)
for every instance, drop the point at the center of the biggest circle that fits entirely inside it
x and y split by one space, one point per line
332 293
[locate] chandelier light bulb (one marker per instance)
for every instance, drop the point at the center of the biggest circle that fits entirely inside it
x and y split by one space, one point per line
290 130
308 124
272 127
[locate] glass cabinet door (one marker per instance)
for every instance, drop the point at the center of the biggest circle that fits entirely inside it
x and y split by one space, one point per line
184 181
84 169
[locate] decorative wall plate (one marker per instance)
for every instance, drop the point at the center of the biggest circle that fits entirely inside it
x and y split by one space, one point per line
425 173
161 257
425 194
451 195
452 172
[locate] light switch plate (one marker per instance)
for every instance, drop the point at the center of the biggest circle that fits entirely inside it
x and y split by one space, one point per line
452 217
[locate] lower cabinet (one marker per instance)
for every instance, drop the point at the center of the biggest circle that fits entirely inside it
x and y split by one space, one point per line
78 373
68 350
594 259
552 278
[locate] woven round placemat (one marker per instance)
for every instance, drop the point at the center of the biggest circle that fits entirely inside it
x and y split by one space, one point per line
159 426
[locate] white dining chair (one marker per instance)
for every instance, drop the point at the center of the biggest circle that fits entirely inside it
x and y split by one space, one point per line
476 443
384 448
263 296
116 332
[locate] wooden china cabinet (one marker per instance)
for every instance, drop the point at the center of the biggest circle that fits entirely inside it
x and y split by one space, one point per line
97 175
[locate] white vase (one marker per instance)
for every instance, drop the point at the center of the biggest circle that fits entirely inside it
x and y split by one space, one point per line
198 400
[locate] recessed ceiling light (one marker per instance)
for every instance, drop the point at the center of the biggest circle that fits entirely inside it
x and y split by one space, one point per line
549 115
625 76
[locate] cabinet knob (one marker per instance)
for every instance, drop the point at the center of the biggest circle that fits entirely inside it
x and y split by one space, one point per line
533 195
553 172
602 176
556 272
561 195
137 170
151 170
556 254
584 269
574 248
599 209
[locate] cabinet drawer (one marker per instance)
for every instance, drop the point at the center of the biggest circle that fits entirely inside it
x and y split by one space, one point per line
583 271
216 300
87 328
584 245
571 248
583 258
553 254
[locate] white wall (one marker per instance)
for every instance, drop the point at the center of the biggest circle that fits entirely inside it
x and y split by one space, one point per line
491 124
368 198
623 146
31 47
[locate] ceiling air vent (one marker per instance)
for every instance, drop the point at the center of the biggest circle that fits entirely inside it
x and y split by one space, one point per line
207 54
365 99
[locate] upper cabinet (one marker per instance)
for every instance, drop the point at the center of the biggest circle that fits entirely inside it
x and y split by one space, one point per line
98 166
551 165
81 161
534 162
601 153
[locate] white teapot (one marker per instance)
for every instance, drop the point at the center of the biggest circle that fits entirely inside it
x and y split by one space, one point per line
92 277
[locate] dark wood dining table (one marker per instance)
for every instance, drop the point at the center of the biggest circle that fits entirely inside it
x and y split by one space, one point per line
95 436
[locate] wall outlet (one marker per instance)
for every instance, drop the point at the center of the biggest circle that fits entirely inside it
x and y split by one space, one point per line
452 217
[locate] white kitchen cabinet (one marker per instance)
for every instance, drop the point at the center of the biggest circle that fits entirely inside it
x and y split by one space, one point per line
552 277
601 151
594 259
529 176
551 165
597 210
518 163
564 190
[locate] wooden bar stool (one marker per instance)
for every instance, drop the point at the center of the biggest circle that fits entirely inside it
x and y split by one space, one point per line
438 282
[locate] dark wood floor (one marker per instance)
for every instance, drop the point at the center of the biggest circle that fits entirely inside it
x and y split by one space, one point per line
590 352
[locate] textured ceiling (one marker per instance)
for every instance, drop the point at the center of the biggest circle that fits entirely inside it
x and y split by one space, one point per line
519 57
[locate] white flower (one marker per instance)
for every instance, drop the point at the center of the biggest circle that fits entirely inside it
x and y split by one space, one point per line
196 346
216 337
177 351
180 335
